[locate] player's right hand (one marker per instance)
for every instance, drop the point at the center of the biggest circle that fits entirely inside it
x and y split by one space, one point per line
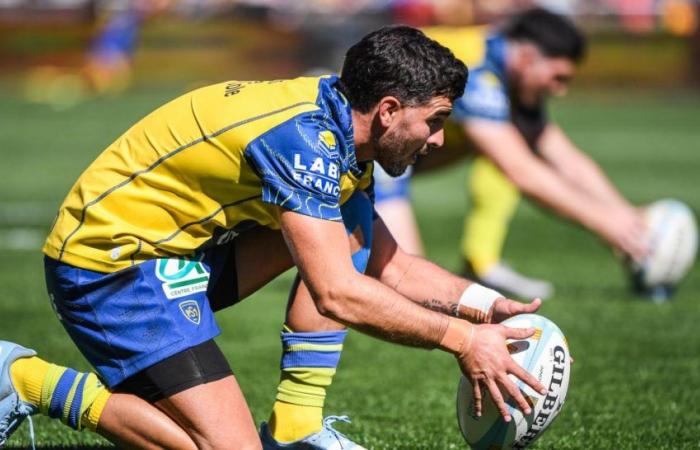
486 363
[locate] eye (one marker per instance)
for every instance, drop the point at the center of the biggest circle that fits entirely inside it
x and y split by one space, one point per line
436 122
563 79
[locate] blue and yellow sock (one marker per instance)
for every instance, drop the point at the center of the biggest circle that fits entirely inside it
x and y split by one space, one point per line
77 399
309 361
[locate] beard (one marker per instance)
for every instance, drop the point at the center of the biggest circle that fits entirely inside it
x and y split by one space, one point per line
393 154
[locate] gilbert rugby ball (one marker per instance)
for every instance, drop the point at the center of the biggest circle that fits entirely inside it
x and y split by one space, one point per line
544 355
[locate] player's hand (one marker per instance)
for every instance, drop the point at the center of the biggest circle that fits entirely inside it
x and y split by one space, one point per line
504 308
487 364
625 229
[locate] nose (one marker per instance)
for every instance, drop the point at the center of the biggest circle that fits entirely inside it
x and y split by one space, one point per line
436 139
560 89
559 86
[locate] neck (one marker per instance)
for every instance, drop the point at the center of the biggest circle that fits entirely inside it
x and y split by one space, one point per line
362 127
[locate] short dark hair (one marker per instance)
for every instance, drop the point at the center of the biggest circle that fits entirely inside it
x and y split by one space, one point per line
403 62
555 35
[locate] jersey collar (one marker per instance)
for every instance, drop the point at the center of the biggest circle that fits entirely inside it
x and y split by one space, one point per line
339 109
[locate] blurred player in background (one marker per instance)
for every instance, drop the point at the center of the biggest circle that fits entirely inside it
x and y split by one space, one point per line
503 118
207 199
108 59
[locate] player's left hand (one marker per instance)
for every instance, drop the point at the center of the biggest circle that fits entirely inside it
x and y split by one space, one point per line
504 308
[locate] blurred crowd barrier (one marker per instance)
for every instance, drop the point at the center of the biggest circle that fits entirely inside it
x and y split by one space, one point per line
633 42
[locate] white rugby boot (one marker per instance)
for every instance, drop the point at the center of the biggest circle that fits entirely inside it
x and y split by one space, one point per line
502 277
13 410
327 439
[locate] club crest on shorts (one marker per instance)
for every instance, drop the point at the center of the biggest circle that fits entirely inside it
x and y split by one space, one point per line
190 309
182 276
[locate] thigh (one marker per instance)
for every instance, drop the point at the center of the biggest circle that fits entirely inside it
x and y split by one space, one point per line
257 256
215 415
490 191
197 390
246 264
201 364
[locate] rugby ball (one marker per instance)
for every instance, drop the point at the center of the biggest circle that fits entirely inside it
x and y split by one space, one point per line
546 356
672 238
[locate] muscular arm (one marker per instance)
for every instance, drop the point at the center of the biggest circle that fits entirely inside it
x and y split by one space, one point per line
433 287
416 278
577 167
503 145
321 251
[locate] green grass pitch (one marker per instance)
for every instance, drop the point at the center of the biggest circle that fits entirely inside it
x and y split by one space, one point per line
636 381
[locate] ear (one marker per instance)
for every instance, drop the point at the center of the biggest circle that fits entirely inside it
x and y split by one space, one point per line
387 109
529 53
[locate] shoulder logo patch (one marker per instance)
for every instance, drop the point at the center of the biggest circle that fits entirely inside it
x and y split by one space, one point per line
327 139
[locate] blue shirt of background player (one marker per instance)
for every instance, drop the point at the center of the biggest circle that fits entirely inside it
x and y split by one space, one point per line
488 96
299 168
486 93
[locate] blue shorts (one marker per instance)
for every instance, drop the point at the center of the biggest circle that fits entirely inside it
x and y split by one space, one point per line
126 321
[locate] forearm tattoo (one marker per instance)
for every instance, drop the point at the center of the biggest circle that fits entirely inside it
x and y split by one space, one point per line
449 308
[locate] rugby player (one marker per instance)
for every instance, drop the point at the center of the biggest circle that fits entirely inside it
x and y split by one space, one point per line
502 118
212 195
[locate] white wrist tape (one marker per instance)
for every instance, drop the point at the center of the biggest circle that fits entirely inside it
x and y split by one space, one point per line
479 297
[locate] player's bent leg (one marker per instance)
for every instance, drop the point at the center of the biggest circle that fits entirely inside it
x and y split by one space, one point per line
148 331
30 385
196 388
393 203
311 349
132 423
260 255
215 415
398 216
493 200
298 408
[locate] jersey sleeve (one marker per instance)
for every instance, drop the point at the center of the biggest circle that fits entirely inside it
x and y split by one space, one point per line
485 97
300 166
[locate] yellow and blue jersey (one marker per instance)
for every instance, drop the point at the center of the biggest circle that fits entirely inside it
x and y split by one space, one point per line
489 96
207 166
486 93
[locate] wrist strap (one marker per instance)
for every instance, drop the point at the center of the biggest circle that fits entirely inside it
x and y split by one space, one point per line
476 302
458 336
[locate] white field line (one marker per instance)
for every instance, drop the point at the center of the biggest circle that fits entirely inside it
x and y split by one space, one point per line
23 225
27 214
23 239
